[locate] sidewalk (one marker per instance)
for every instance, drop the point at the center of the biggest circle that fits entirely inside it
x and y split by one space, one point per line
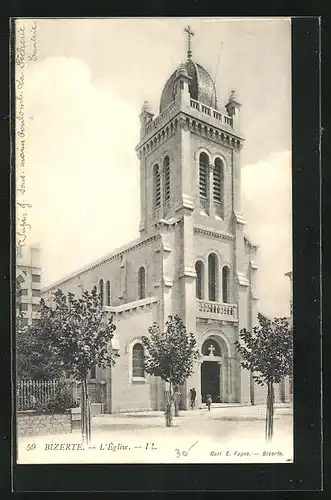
143 438
224 412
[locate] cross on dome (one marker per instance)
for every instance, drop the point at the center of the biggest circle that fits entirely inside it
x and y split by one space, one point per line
190 33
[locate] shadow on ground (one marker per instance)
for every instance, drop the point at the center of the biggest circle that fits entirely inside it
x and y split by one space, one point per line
242 419
126 427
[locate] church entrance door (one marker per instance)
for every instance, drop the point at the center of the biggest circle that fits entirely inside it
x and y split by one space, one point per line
210 380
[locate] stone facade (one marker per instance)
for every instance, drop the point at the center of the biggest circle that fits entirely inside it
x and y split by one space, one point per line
30 423
192 257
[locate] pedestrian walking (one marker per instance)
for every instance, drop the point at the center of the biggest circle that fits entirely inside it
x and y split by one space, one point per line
193 397
208 401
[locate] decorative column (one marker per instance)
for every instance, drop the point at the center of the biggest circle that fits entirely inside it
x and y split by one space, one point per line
143 215
108 395
146 116
222 388
198 401
233 108
181 85
123 279
230 366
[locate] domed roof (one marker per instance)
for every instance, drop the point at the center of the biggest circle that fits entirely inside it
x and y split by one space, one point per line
202 87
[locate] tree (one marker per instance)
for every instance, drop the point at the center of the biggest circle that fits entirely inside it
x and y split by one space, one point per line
267 352
34 358
79 332
171 356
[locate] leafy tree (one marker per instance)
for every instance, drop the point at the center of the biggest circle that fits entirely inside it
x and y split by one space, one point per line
34 358
267 352
171 356
79 334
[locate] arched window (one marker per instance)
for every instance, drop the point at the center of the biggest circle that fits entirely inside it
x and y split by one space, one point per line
157 186
101 291
203 175
212 276
108 293
200 279
138 361
218 181
225 284
166 170
141 283
211 348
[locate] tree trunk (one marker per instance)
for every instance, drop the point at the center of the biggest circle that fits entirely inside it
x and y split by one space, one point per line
269 424
168 407
176 401
83 412
86 414
251 388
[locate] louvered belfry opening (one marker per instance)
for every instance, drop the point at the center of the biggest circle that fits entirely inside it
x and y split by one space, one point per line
218 187
203 176
166 167
157 186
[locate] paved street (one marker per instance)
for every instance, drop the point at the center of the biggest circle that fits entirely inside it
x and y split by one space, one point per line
226 434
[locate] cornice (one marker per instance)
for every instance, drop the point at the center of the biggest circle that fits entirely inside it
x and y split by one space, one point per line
239 218
132 306
242 279
214 233
217 133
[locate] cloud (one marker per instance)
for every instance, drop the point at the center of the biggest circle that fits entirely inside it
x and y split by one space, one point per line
77 144
267 206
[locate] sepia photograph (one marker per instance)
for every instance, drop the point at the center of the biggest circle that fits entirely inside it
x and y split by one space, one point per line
153 290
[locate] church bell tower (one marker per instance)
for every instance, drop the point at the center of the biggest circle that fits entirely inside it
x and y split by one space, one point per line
189 153
190 196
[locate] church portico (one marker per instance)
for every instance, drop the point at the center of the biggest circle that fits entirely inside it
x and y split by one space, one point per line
217 368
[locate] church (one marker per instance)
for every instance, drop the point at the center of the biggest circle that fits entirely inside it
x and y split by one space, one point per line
192 257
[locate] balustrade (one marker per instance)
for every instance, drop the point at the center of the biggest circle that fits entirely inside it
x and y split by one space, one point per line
207 308
211 112
161 118
195 105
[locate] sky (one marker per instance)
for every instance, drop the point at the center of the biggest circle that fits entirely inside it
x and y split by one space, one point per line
85 81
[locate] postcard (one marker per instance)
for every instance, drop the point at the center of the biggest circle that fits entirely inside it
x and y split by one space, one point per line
153 240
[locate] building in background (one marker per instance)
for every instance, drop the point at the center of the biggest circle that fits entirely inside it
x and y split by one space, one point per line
290 276
28 283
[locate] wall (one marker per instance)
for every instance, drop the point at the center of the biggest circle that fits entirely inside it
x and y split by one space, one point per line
121 269
31 424
28 279
129 393
171 148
